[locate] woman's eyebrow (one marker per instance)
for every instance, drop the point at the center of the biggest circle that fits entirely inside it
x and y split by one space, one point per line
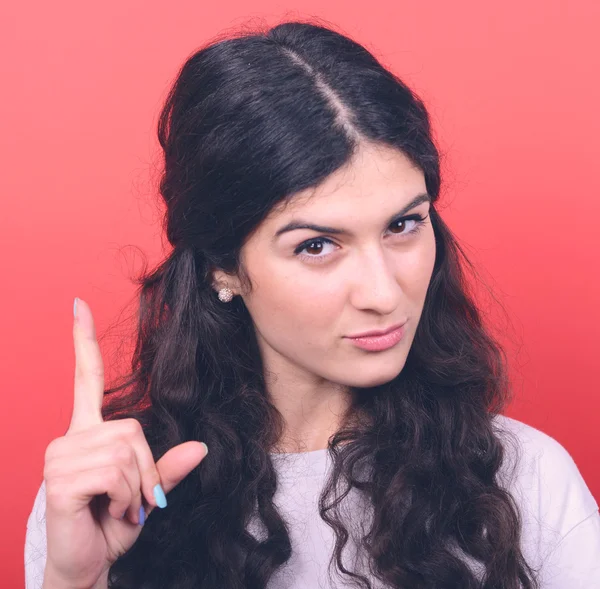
299 224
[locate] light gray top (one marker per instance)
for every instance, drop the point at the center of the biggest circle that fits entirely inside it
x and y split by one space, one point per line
561 522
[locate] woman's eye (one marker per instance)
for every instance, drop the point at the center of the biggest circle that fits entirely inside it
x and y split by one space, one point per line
417 223
400 224
315 248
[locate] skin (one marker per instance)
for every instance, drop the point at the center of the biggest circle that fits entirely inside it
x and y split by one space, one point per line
304 306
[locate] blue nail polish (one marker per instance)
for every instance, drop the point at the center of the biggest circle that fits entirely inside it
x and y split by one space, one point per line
159 495
142 515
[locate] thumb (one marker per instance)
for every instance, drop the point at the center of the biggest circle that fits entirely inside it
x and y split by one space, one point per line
177 463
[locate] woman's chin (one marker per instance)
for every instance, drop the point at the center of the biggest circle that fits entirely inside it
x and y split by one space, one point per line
367 376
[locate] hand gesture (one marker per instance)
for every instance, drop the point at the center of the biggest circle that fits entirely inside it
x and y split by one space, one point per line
101 477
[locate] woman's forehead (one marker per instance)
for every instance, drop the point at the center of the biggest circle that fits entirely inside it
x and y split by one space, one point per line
378 178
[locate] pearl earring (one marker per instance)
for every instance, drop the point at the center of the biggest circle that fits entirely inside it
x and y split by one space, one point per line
225 294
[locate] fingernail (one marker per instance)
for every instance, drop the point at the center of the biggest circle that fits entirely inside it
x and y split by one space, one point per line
75 307
142 515
159 495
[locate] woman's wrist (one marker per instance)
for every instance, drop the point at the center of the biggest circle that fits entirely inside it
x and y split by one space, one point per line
53 581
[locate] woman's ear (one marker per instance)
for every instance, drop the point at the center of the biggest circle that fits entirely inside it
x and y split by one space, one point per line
220 279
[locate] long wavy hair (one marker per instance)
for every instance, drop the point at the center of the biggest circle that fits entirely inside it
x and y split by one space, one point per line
250 120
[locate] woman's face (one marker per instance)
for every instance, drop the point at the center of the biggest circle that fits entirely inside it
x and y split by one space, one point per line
312 288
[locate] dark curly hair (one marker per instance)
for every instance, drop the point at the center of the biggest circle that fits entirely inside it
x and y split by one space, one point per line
250 120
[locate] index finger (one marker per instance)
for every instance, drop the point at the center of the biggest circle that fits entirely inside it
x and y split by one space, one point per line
89 371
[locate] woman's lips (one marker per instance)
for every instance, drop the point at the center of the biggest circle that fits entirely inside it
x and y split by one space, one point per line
380 342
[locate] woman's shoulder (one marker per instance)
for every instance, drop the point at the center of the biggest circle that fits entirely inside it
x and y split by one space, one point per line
532 453
533 457
544 480
535 445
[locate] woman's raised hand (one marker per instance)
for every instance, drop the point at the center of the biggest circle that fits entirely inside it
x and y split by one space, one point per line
98 472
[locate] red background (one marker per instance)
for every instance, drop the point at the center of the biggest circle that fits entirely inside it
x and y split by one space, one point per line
513 92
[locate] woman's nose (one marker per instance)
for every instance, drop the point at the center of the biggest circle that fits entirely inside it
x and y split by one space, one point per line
375 285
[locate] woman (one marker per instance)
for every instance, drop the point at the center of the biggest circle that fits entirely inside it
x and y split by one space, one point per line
300 181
